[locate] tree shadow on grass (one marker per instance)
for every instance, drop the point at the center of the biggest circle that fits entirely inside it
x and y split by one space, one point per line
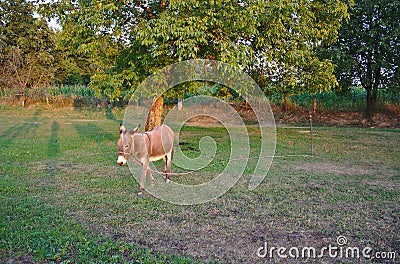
93 133
98 145
10 135
53 149
53 153
111 116
54 144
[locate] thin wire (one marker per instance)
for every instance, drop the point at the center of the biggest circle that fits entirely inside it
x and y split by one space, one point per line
193 171
275 156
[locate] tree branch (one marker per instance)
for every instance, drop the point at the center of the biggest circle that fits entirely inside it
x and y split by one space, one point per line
145 8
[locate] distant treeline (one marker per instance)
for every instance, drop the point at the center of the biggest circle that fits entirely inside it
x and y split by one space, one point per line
84 96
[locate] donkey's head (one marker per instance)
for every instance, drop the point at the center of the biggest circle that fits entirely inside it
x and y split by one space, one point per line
125 144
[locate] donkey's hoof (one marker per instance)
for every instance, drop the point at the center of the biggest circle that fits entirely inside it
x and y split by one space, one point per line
168 181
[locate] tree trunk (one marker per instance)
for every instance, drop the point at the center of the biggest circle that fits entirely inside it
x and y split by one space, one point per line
285 104
180 104
315 105
23 101
154 116
371 101
23 98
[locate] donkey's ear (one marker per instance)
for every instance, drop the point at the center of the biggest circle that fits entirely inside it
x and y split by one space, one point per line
136 129
122 129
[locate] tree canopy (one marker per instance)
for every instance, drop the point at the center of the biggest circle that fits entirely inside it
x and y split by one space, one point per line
274 41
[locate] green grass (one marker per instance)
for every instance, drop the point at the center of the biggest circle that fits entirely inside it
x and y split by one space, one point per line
64 199
38 220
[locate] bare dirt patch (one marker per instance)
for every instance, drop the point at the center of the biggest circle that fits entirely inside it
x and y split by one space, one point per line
383 119
342 169
204 121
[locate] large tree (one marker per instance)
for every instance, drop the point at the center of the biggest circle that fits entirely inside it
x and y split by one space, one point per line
367 52
272 40
26 56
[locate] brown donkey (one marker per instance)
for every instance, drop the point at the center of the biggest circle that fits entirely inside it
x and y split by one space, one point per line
146 147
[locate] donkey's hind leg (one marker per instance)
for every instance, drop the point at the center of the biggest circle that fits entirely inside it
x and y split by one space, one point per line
165 175
168 165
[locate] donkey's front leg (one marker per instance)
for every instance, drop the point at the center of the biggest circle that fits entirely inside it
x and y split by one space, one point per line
143 178
151 177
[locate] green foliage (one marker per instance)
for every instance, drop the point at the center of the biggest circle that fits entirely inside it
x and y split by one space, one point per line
288 37
274 41
199 29
71 69
26 56
75 78
71 91
367 52
54 93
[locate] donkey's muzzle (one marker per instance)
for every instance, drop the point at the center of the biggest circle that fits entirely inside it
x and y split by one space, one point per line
121 161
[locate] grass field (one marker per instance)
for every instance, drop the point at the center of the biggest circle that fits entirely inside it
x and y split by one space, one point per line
64 199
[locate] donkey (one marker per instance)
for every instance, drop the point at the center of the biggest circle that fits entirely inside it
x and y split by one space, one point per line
146 147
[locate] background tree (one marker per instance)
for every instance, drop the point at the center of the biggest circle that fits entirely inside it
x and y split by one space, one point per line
26 48
368 48
71 67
